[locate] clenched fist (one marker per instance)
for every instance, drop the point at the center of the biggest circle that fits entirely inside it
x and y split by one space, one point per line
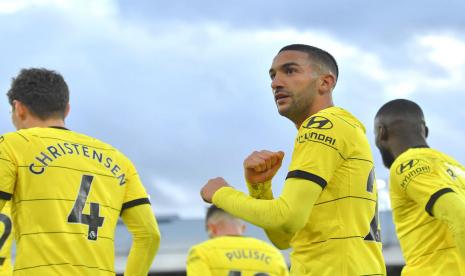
261 166
213 185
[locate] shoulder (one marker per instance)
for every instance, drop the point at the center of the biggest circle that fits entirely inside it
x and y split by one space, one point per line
410 164
100 145
20 136
333 120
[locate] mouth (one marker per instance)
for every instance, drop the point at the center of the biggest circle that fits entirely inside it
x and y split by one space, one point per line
281 97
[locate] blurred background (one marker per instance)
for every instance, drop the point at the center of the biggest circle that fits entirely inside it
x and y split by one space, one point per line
182 87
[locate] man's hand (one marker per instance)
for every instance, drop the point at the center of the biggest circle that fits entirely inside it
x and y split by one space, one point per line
261 166
211 187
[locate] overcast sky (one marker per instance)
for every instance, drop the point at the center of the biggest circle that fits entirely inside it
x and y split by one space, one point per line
182 87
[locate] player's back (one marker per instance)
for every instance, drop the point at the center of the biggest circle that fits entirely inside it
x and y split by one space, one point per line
238 256
69 192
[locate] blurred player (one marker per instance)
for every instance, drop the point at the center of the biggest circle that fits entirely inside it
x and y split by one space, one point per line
230 253
327 211
68 189
6 240
427 190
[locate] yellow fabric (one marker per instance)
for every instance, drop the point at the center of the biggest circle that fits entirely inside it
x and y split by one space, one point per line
6 240
49 170
339 233
288 213
146 239
247 256
450 208
427 244
263 191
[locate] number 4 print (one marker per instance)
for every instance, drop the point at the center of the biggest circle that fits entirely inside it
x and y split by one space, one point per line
93 220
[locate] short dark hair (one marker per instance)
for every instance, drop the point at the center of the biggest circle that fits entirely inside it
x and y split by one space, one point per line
213 210
318 55
401 108
43 91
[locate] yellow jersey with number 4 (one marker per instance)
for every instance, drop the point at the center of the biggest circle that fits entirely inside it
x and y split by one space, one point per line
67 191
235 256
418 177
6 240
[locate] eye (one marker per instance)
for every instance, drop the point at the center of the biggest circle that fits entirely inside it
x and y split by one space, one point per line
290 70
272 75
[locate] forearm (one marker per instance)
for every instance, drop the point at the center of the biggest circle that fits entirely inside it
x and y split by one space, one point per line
450 208
260 190
288 213
141 223
263 191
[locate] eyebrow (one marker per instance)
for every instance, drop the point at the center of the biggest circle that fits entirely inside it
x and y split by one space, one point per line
288 64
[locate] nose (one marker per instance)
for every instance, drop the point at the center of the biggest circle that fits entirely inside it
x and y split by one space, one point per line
276 83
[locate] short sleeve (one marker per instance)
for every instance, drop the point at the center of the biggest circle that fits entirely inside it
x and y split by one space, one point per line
420 180
318 151
8 168
135 191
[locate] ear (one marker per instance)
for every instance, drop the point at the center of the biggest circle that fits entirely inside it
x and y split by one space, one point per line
327 82
211 230
426 131
20 109
67 109
383 133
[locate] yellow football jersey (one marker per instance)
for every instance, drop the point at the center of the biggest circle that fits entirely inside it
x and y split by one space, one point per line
235 256
67 192
6 238
342 235
417 178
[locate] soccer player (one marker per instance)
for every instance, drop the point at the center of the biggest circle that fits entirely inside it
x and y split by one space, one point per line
6 239
427 191
67 189
230 253
327 211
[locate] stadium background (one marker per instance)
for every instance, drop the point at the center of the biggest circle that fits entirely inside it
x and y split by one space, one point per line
182 86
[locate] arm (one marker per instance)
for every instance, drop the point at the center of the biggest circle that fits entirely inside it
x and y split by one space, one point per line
288 213
262 190
196 266
450 208
141 222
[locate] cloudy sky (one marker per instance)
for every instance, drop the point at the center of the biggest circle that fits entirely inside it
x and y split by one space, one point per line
182 87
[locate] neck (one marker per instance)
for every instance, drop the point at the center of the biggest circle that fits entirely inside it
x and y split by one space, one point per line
406 143
315 108
36 122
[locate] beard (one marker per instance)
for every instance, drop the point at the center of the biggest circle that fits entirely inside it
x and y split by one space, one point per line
388 157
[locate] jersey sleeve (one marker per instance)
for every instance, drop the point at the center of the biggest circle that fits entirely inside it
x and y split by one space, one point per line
318 150
420 180
196 265
135 191
8 168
